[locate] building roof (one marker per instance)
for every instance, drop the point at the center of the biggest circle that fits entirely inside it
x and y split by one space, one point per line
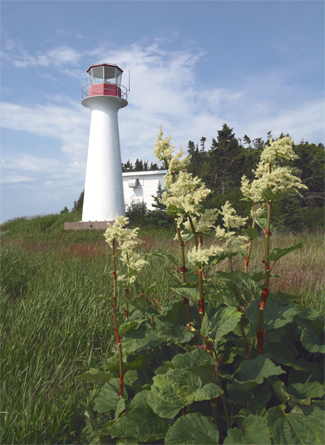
145 173
105 64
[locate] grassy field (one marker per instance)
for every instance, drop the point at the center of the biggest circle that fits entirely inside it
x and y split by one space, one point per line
54 322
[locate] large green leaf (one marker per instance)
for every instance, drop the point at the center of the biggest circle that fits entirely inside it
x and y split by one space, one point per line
192 359
279 252
142 338
132 361
275 314
172 332
144 307
95 375
137 380
257 370
207 392
190 294
282 351
120 407
262 222
224 295
302 393
162 399
139 423
250 232
108 397
192 429
303 427
253 431
298 393
221 323
89 435
174 313
310 341
246 287
184 383
128 326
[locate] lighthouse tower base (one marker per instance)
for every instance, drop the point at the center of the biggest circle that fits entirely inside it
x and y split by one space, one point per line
89 225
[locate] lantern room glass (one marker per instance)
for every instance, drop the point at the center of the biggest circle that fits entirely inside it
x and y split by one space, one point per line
105 74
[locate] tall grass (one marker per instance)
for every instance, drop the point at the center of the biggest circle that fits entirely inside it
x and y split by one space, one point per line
54 322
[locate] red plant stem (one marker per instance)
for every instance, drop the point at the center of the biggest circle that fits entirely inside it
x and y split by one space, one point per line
265 290
249 250
183 270
214 401
118 339
223 398
241 324
201 310
200 272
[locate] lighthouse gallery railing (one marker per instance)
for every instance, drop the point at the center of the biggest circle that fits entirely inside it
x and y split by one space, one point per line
105 89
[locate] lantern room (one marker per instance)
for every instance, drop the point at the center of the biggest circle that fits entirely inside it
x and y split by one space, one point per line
104 80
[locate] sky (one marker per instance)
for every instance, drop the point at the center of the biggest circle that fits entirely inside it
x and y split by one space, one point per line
257 66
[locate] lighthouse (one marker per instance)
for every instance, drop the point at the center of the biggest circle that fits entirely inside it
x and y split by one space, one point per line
104 96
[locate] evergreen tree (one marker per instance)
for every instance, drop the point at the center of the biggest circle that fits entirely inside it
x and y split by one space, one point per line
311 166
128 167
154 166
247 141
156 198
78 205
138 166
222 169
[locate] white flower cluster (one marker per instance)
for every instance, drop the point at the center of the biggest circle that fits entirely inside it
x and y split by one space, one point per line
162 149
179 162
232 243
164 152
269 175
278 149
203 222
127 241
185 194
117 232
134 262
230 217
201 256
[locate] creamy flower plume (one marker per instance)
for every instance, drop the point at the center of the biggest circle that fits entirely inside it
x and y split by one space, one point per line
277 150
231 242
162 149
268 175
126 240
230 217
202 222
185 194
117 232
201 256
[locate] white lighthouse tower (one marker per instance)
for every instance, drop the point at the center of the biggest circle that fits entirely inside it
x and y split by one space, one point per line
104 96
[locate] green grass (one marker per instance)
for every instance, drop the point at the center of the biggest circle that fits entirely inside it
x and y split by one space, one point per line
53 324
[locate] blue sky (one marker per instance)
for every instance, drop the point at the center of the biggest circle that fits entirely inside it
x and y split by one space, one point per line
255 65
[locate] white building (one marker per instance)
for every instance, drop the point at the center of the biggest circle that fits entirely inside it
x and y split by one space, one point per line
140 186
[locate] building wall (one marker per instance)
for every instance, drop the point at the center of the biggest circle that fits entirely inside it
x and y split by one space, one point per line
147 185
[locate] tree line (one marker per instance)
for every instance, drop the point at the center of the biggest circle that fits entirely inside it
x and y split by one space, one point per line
222 165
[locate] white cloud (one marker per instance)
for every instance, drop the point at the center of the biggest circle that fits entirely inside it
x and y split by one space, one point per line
55 57
164 91
68 124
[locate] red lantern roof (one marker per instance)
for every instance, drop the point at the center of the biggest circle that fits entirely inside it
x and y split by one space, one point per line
105 64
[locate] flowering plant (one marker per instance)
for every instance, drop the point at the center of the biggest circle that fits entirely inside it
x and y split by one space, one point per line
217 365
